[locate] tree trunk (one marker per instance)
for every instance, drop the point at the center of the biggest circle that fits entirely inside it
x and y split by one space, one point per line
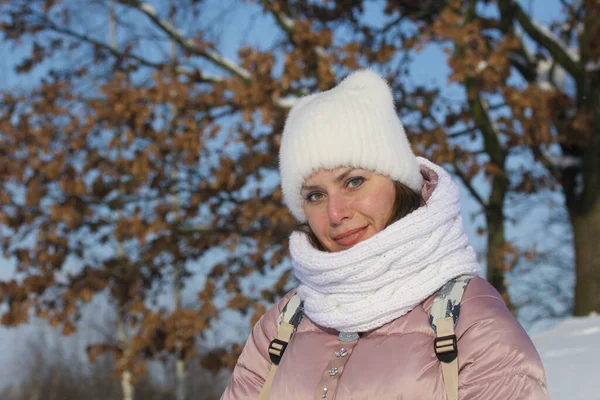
583 201
180 367
180 370
584 209
126 376
583 191
586 234
126 383
494 209
496 242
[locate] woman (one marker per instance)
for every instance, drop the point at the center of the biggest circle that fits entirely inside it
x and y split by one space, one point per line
380 234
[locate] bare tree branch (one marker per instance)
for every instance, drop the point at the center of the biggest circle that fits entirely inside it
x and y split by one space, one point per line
287 23
467 182
188 44
522 61
283 20
555 163
191 229
542 35
464 132
196 75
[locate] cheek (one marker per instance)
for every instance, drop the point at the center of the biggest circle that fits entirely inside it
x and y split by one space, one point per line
380 207
317 221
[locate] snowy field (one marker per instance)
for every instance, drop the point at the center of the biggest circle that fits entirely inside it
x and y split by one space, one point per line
571 355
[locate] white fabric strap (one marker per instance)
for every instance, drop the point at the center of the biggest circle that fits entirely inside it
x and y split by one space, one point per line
444 315
445 328
288 320
284 334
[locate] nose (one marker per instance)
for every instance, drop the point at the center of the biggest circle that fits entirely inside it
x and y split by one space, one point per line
338 209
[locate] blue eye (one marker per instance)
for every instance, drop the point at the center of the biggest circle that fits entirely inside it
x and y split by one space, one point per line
355 182
314 197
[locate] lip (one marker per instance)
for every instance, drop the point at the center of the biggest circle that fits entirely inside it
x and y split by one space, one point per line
350 237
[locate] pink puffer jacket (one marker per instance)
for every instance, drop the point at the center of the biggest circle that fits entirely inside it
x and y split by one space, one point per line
497 360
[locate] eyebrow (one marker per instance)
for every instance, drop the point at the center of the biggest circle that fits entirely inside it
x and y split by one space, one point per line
338 179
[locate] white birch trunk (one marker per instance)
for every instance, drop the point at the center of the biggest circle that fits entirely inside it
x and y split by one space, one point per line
126 381
126 376
180 369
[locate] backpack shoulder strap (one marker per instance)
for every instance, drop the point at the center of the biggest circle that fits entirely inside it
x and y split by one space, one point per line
287 322
443 319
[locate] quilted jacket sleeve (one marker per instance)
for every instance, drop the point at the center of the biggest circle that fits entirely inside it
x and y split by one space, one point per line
254 364
497 359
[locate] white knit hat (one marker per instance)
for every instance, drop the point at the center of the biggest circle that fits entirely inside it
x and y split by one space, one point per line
354 124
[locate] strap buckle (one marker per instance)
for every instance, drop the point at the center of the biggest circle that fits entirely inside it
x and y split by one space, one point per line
445 348
276 349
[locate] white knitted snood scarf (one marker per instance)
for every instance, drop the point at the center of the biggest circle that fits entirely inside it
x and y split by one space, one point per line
387 275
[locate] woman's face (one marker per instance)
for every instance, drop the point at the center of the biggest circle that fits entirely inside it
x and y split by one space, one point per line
344 206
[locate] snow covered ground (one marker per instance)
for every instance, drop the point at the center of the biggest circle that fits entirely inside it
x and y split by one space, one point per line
571 355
